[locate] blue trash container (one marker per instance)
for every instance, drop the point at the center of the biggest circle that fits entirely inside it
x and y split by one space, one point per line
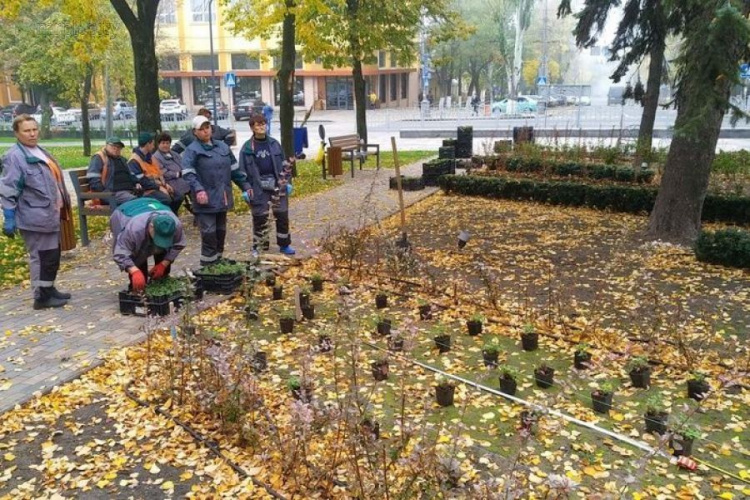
300 140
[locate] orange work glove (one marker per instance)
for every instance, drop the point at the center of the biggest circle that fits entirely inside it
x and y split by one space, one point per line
137 281
159 270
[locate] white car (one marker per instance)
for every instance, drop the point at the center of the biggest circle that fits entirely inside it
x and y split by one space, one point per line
61 116
172 108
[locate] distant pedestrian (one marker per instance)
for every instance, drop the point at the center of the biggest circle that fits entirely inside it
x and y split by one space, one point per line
226 135
373 99
475 105
268 115
209 166
36 203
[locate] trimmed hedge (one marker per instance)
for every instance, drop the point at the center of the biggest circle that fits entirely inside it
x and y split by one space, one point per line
726 247
620 198
570 168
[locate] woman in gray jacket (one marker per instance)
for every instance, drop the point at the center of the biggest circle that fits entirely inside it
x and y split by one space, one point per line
171 168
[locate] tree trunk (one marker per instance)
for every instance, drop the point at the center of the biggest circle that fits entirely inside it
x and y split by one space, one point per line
360 103
650 101
44 133
286 81
85 123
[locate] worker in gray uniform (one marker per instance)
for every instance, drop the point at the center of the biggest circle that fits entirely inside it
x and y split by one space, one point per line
34 198
143 228
210 167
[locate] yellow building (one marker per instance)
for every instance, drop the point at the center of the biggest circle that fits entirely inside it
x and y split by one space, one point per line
185 66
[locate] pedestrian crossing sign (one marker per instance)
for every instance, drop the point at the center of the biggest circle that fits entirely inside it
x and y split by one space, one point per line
230 80
542 80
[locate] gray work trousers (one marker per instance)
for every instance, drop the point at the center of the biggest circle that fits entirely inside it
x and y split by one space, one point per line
44 258
213 229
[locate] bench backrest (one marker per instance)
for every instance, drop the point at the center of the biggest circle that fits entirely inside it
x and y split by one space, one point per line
345 142
80 181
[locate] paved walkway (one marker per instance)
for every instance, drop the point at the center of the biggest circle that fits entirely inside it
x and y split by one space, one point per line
43 349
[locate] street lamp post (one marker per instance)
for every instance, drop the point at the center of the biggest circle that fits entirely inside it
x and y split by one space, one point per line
425 104
211 56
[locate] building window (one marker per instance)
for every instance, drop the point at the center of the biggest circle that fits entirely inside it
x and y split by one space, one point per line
248 87
394 87
404 85
277 62
200 11
383 87
173 86
381 59
202 86
393 60
169 62
245 61
202 62
167 12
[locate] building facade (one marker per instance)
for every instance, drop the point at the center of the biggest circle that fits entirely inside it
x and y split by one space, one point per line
185 66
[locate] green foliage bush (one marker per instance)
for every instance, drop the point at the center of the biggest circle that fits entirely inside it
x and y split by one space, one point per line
620 198
727 247
576 169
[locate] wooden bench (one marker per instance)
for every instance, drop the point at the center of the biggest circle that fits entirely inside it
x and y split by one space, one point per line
85 194
354 147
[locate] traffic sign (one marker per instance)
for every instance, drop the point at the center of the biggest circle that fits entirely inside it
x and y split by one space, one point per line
745 71
230 80
542 80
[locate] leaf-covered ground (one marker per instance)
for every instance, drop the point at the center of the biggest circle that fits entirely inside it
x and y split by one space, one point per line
577 275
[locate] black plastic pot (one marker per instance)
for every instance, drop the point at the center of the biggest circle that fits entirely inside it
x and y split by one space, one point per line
425 312
396 344
681 446
308 312
581 359
271 280
641 378
530 341
474 327
508 385
324 343
379 370
368 428
443 343
601 402
303 394
656 422
251 312
444 394
260 361
697 389
304 299
278 292
384 327
286 325
317 285
490 358
544 378
381 301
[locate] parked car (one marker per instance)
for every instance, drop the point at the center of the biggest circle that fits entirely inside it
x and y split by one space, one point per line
122 110
95 112
222 110
7 113
22 108
523 104
62 116
248 108
172 108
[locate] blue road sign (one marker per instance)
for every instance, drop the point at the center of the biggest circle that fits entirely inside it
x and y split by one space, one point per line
542 80
230 80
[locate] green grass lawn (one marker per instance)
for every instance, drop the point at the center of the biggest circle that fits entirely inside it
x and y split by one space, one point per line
68 156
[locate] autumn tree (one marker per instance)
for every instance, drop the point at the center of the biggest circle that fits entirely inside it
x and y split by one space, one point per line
641 33
141 23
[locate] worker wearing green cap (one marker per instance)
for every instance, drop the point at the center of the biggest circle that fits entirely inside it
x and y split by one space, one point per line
143 228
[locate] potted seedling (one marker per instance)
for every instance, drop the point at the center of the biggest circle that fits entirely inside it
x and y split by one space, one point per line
601 397
639 371
270 279
656 415
490 352
425 310
325 343
697 386
380 369
474 325
544 376
444 390
304 297
278 292
286 322
369 428
508 379
582 356
383 326
260 361
308 311
301 391
251 310
396 342
682 441
316 281
381 300
442 339
529 338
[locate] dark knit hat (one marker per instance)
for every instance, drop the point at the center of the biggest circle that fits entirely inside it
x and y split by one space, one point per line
144 138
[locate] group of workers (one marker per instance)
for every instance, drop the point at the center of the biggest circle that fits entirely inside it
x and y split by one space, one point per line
147 192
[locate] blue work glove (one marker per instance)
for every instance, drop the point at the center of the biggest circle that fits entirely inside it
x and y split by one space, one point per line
9 225
289 189
247 195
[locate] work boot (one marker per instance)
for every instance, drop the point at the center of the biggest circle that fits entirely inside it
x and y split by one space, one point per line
57 294
287 250
46 300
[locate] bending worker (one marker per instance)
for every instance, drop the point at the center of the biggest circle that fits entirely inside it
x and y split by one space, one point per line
142 228
209 166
